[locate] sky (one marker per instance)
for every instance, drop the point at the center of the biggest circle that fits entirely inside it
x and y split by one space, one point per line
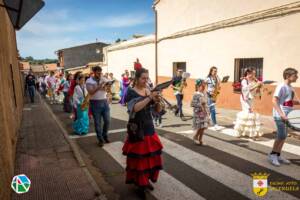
66 23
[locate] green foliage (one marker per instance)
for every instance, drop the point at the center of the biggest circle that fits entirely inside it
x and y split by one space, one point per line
31 60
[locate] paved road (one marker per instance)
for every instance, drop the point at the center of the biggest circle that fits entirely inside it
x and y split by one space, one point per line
219 170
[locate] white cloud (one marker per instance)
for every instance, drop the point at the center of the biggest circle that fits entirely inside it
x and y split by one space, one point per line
128 20
51 30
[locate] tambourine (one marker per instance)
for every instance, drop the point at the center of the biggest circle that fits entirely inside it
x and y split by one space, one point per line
294 120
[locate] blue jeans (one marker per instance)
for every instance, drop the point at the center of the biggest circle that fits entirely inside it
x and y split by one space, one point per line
179 98
100 109
31 90
212 110
281 128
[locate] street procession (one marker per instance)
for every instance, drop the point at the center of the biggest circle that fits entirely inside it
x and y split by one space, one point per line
200 100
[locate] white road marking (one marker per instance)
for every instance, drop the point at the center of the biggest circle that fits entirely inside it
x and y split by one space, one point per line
290 148
230 177
94 134
166 188
245 153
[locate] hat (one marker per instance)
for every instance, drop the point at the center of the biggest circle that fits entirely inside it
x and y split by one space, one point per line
199 81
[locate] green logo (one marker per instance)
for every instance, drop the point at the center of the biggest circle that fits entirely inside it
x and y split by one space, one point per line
20 184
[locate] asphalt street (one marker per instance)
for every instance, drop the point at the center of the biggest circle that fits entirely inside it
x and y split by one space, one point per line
219 170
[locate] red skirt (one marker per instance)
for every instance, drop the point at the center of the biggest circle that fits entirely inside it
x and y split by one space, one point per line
143 160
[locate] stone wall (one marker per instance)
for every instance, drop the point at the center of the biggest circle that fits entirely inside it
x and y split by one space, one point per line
11 101
82 55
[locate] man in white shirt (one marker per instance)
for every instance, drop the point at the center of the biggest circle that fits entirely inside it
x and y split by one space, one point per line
283 102
99 104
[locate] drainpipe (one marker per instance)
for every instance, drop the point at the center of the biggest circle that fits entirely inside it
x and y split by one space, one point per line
155 43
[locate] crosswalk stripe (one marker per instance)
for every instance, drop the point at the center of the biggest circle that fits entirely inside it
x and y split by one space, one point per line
167 187
252 156
94 134
290 148
230 177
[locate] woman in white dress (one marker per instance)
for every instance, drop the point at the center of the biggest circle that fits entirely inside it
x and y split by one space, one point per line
248 123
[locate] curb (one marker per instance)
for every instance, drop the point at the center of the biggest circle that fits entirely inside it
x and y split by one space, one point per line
75 150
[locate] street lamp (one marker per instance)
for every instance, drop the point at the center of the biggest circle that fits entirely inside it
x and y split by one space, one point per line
21 11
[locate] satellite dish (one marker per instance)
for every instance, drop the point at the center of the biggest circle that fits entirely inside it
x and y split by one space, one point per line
21 11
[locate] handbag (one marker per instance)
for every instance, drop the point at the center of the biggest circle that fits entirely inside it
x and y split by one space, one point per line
135 130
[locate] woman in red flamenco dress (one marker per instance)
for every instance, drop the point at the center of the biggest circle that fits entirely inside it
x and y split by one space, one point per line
142 147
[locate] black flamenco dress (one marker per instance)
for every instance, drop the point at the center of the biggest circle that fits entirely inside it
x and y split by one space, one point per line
144 156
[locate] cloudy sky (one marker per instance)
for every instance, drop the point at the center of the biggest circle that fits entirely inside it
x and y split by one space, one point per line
67 23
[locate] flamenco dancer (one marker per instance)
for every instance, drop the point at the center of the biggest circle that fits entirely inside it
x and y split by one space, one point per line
247 123
125 85
142 147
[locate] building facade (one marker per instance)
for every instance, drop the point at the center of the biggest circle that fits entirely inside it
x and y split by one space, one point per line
80 56
196 34
121 56
11 101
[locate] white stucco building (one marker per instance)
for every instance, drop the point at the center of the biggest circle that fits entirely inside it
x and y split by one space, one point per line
230 34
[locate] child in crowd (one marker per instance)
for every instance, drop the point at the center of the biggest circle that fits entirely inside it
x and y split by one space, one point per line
283 102
200 111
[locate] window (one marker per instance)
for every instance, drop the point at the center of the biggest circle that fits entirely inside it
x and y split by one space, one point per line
241 64
179 65
132 74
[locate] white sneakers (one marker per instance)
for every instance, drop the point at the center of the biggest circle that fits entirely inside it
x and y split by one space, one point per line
283 160
217 127
273 158
276 160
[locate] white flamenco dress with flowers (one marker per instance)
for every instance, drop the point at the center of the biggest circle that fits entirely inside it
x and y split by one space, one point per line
247 123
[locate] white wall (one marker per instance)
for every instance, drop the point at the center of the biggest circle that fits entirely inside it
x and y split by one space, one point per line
178 15
277 41
120 60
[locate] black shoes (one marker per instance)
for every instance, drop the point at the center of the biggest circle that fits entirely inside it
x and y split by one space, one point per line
100 143
141 193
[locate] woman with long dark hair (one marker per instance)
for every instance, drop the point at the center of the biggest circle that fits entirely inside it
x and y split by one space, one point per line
212 81
248 123
81 124
125 85
71 92
142 147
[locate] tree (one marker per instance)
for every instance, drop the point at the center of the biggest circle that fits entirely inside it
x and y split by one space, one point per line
118 40
29 58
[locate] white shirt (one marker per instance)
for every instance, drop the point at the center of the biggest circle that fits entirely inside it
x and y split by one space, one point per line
246 86
79 94
211 84
91 83
284 93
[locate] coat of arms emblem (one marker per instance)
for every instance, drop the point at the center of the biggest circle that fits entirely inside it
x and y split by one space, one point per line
260 183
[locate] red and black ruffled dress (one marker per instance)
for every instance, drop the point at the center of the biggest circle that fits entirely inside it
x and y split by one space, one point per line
144 156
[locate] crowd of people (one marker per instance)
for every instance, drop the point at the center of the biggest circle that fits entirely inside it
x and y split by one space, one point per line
89 97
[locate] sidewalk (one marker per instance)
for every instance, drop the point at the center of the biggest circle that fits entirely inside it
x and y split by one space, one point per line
46 157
